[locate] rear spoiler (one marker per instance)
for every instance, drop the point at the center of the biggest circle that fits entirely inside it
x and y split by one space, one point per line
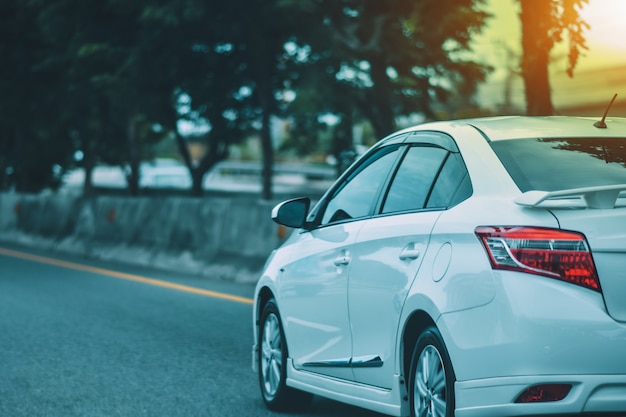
601 197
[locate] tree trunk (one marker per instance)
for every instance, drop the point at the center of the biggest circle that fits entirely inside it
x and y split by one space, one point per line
268 154
536 45
380 112
196 173
343 141
88 184
134 153
19 179
88 165
197 189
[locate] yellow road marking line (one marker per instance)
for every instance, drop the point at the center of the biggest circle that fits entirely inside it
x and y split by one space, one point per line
122 275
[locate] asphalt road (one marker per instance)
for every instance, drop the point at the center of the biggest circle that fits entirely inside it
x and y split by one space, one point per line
82 338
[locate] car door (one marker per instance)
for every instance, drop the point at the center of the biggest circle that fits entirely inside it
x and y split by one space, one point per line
389 251
313 287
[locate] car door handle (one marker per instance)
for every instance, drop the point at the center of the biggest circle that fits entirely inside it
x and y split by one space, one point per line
409 252
342 260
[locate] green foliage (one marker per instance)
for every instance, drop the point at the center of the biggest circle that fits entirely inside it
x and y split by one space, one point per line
99 75
371 63
28 94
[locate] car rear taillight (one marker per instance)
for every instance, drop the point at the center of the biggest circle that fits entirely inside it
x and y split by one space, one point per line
552 253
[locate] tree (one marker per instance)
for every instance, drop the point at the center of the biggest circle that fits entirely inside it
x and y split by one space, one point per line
220 58
544 23
77 35
241 59
390 59
111 94
108 78
265 30
30 158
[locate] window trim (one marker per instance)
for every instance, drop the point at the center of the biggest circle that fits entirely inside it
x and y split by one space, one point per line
433 138
426 138
403 142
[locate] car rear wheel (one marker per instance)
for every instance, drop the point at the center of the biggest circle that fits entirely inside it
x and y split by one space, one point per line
273 364
431 377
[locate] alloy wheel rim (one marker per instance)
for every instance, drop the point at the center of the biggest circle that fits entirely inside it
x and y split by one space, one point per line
271 356
430 384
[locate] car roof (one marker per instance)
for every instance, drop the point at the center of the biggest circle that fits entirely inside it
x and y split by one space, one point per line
517 127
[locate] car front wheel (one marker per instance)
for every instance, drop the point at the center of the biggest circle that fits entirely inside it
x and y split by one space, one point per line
431 377
273 364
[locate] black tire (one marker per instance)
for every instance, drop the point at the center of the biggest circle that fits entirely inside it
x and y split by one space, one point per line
431 377
273 356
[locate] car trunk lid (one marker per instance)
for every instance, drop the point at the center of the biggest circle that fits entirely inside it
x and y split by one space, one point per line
600 214
605 231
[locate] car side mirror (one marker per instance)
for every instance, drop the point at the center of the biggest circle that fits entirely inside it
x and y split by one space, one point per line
292 213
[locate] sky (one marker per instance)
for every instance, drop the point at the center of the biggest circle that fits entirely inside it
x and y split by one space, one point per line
606 36
606 39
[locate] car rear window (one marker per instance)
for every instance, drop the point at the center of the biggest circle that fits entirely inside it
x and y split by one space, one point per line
564 163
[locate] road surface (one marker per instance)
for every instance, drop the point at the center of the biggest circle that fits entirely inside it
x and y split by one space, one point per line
84 338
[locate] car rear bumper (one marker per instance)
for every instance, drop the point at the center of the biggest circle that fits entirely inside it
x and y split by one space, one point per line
496 396
536 330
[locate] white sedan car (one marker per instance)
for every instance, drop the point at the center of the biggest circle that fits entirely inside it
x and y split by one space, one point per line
471 268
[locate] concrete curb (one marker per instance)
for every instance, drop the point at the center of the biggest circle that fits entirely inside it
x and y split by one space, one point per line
218 238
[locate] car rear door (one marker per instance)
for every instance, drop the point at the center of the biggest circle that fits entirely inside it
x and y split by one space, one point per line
390 248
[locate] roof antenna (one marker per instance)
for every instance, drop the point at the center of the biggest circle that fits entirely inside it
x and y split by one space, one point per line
600 123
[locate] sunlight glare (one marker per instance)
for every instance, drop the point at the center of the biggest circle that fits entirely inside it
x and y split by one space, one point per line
607 20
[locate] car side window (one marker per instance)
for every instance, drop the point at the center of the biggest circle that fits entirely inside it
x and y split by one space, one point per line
413 181
453 184
359 192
